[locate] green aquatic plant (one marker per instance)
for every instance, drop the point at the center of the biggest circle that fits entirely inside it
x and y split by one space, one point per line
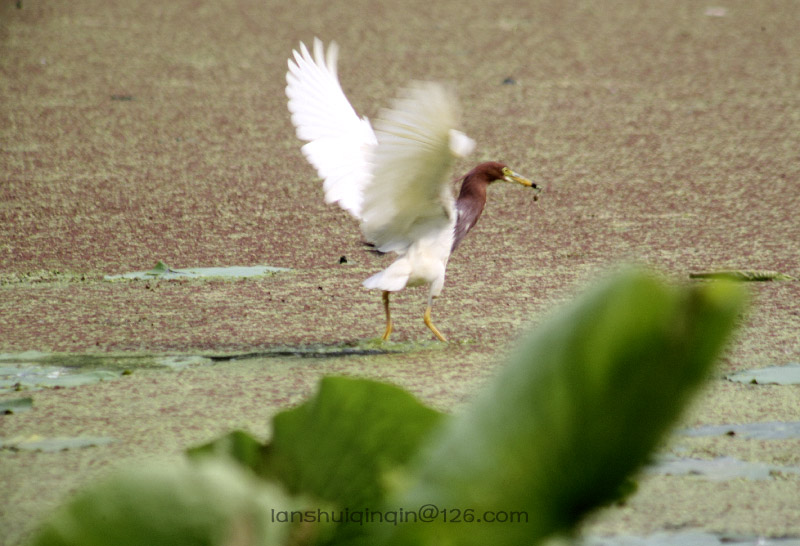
557 433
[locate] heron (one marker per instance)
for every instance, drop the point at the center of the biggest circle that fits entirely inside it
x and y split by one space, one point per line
394 178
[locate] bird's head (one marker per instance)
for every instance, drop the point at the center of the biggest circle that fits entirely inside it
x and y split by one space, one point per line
493 171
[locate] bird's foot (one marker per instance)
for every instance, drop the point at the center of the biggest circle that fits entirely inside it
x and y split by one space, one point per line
388 331
429 323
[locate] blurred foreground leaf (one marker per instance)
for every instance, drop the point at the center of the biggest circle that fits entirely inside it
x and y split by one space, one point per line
580 406
582 403
209 503
237 445
338 445
336 448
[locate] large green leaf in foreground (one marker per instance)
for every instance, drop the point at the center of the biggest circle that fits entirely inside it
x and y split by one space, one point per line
334 450
580 406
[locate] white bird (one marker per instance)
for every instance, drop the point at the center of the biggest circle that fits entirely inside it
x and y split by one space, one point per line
394 179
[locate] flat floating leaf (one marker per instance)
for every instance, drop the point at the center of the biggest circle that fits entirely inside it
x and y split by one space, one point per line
688 538
24 356
179 362
34 370
365 347
719 469
162 271
15 405
37 376
788 374
38 443
770 430
742 275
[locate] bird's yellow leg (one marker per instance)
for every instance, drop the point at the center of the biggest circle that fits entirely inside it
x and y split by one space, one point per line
427 318
388 331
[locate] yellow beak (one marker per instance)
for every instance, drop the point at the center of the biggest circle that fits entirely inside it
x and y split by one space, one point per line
511 176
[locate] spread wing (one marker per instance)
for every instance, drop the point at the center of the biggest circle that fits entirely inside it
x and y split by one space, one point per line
409 196
339 142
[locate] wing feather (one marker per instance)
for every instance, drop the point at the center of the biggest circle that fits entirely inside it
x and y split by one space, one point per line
409 197
339 143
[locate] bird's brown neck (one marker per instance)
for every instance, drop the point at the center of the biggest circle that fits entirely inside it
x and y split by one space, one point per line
474 187
470 203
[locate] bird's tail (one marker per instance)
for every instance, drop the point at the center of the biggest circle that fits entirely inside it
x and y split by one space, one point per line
393 279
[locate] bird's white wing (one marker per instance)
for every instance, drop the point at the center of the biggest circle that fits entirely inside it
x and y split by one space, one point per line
339 142
409 196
